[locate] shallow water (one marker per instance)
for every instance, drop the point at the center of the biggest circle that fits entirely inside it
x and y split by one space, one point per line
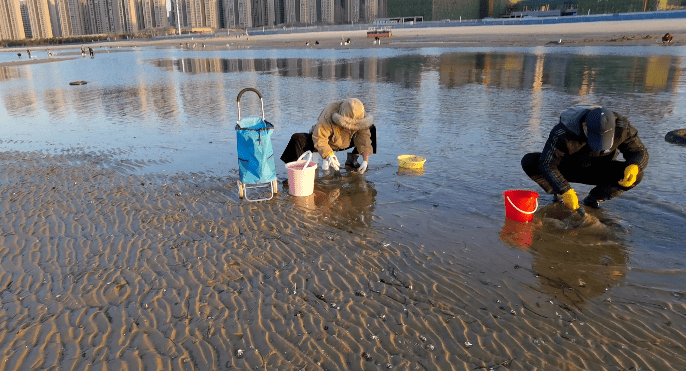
473 113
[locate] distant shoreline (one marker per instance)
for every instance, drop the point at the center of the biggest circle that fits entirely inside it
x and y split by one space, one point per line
615 33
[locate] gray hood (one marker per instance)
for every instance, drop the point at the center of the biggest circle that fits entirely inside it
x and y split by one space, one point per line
573 117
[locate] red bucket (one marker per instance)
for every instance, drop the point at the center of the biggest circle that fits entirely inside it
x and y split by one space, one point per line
520 205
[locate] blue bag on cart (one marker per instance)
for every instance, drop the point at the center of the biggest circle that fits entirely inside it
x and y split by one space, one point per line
255 152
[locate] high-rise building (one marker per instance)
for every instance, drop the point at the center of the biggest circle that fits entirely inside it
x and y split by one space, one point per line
193 12
129 16
327 10
260 13
290 13
203 13
36 15
308 11
346 11
230 13
351 11
24 9
434 10
272 7
59 18
68 18
279 11
369 10
11 25
211 15
244 11
154 14
65 18
382 6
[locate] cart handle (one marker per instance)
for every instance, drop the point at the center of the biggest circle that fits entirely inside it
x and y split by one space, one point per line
238 101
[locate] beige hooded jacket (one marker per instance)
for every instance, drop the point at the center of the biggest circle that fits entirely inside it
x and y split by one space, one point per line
340 124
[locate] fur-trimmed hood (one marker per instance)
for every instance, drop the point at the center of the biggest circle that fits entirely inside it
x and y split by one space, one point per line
341 113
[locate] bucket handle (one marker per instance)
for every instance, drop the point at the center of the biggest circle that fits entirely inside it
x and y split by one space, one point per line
520 210
307 163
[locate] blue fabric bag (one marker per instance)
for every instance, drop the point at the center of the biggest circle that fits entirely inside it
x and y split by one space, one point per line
255 153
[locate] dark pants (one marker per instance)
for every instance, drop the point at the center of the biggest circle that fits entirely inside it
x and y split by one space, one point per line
302 142
603 174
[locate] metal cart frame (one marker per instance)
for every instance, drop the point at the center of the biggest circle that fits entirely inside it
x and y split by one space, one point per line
257 170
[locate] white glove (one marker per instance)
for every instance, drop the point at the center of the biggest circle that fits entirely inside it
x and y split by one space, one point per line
363 167
333 162
325 164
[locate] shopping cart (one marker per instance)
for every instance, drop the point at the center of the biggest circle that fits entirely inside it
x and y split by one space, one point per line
255 153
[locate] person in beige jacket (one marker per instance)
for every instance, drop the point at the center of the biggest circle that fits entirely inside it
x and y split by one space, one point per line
341 125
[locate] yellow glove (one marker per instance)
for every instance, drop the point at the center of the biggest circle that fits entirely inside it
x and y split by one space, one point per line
630 173
570 199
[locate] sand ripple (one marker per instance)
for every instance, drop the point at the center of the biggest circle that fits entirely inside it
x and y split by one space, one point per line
102 269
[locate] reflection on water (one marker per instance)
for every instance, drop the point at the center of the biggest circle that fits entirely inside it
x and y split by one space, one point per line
573 260
410 172
575 74
8 73
346 200
571 73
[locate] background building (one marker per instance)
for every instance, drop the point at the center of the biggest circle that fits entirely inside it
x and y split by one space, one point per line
11 24
155 14
40 19
436 10
627 6
237 13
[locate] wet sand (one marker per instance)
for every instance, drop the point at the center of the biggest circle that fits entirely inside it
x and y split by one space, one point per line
101 268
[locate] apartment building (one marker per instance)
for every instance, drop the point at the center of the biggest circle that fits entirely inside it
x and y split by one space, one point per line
239 13
195 10
11 25
23 7
39 19
308 11
327 11
65 18
60 18
369 10
203 13
154 14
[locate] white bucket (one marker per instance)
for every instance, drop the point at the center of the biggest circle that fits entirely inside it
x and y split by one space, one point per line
301 175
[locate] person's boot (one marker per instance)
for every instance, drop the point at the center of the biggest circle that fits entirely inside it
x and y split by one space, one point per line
592 201
352 161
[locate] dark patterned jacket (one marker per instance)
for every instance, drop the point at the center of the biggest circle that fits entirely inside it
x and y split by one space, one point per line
567 143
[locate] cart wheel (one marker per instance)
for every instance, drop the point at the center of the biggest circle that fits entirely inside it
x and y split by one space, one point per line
275 186
241 189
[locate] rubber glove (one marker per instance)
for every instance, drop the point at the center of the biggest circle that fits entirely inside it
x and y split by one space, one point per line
630 173
333 162
570 199
363 167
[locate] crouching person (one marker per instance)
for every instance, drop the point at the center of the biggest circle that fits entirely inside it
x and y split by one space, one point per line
341 125
583 148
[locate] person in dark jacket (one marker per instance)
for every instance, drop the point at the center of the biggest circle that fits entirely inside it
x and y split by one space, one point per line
583 148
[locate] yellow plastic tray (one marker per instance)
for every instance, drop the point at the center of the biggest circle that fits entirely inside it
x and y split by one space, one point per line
411 161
